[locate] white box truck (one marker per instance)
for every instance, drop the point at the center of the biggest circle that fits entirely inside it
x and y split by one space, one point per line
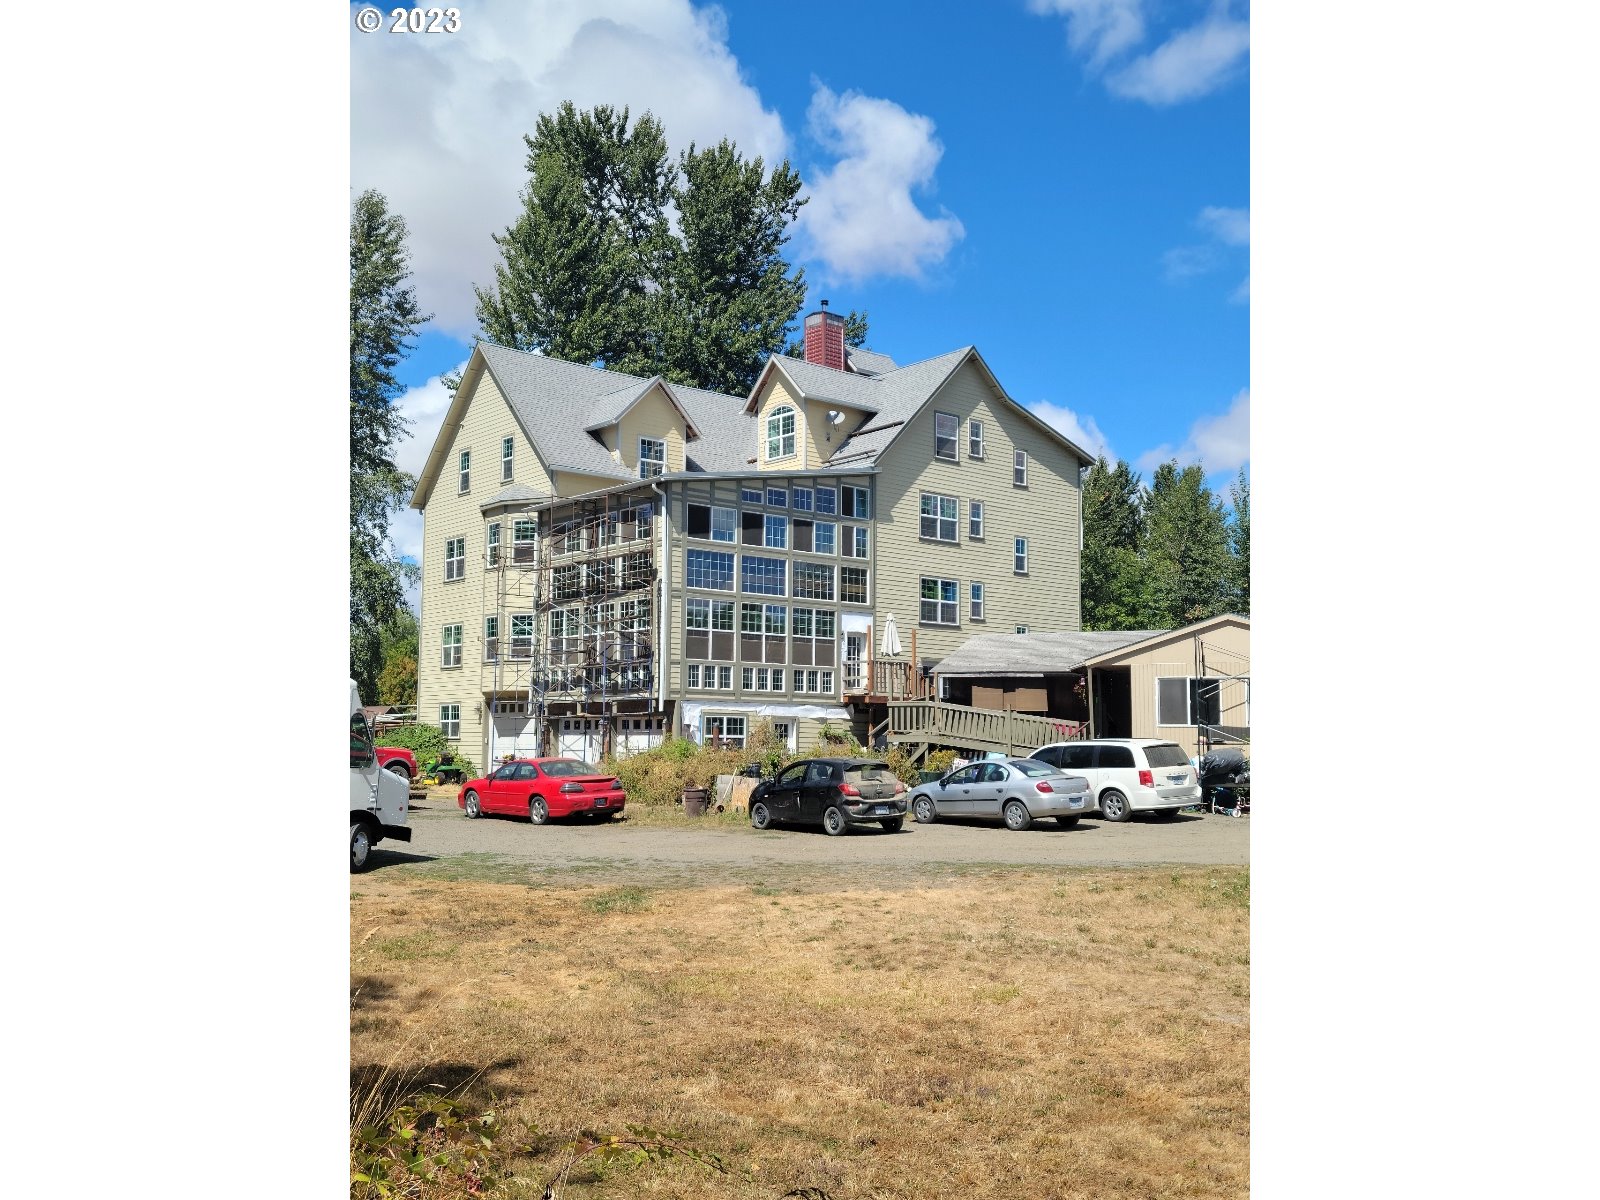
378 798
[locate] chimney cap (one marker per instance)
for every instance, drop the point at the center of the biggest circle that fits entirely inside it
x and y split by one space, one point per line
824 304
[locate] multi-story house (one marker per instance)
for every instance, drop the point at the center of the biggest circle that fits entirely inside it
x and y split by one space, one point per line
608 559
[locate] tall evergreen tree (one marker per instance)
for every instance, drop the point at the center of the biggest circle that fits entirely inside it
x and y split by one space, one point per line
1239 543
1113 526
383 316
592 270
1186 557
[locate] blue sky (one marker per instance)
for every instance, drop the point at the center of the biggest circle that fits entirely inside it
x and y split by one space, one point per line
1062 183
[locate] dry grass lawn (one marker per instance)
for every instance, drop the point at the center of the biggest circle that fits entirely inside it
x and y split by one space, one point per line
988 1033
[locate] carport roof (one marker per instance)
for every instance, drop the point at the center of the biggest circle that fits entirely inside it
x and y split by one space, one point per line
1036 653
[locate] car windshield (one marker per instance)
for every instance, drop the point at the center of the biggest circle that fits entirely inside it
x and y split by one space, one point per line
1168 754
871 773
1033 768
561 767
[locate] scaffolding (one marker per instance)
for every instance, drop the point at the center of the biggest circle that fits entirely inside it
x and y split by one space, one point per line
575 615
1229 687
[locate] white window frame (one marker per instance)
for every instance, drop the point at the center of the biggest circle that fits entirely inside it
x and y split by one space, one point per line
831 496
954 602
781 442
749 570
975 601
450 646
975 514
939 518
866 579
724 721
450 721
647 460
1019 556
777 497
1019 468
800 499
491 545
975 440
522 640
941 421
833 537
455 559
862 509
491 638
508 450
733 570
1188 700
1022 629
518 528
464 473
856 542
775 523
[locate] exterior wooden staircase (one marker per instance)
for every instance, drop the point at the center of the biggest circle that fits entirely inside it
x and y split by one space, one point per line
921 725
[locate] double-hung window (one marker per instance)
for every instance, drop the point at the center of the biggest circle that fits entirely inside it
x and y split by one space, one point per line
521 635
780 433
975 439
938 517
855 542
713 524
975 520
1019 468
777 532
977 602
450 720
524 534
856 502
946 428
450 646
939 601
823 537
1019 560
802 499
652 457
455 558
813 681
465 484
491 545
491 639
827 501
508 448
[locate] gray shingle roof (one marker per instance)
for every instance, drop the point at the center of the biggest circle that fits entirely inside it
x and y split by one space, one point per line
1036 653
509 495
869 362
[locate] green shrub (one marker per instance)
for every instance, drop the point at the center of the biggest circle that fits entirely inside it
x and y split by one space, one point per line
427 742
939 760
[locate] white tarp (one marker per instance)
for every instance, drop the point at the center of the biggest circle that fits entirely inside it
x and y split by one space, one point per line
690 711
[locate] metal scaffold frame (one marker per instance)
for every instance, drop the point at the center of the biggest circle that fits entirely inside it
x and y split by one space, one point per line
1236 668
575 612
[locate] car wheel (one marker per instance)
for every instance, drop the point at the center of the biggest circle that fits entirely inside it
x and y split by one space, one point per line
538 810
894 824
922 809
360 847
1017 815
1114 806
474 809
1066 822
398 768
760 815
833 821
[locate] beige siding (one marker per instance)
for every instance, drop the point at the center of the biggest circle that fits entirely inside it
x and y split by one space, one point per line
654 417
1226 653
774 396
1046 512
450 514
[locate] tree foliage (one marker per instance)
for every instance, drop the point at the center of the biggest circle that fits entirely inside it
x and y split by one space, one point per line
383 317
593 270
1165 555
397 681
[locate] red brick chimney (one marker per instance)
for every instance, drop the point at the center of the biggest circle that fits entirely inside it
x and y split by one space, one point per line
825 338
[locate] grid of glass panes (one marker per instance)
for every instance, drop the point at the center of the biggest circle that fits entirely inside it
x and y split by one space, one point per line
939 601
710 569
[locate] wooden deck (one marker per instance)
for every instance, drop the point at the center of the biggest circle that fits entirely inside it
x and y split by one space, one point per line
923 724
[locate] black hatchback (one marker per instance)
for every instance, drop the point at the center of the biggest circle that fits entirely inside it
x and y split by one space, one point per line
835 793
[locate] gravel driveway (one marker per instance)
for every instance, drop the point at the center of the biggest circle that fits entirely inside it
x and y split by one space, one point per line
440 831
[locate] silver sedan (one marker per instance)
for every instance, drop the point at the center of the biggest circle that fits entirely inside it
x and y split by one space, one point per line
1012 790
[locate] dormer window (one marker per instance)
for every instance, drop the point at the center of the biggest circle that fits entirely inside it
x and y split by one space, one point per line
780 433
652 457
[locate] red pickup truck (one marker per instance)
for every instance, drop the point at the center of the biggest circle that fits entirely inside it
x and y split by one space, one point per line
399 760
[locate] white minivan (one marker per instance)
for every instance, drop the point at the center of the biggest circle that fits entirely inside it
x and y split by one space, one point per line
378 798
1129 775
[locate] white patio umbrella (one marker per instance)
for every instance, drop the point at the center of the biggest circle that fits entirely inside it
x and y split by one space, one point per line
891 638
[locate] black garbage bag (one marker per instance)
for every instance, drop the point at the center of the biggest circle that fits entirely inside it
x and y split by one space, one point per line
1227 765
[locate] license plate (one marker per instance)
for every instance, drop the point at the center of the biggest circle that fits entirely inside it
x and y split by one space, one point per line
599 801
1075 801
882 808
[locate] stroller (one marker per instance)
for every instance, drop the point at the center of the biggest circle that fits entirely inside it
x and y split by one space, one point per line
1225 782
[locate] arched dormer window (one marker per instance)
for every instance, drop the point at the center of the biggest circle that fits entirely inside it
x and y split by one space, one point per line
780 432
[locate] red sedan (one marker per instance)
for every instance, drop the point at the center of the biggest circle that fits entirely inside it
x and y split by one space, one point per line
541 788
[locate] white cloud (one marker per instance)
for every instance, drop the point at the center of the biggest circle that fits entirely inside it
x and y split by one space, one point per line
1241 294
1080 430
1220 442
1187 65
1184 262
1229 225
1097 29
860 219
437 122
1191 63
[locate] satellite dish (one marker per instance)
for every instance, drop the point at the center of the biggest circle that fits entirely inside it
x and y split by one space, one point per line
835 416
